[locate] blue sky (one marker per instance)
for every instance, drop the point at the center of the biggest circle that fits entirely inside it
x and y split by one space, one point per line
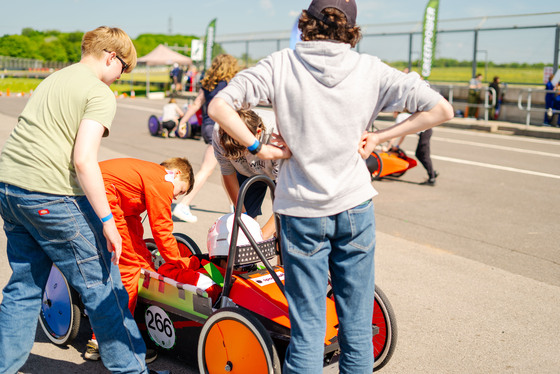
258 16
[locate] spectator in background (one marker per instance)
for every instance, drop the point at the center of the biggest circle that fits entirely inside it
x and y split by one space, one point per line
170 119
549 101
556 106
494 111
177 77
423 153
475 85
223 69
192 78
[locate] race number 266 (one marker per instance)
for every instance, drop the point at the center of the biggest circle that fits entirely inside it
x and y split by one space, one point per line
160 327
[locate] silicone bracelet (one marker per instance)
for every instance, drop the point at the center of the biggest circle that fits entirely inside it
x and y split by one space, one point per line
255 145
107 217
256 150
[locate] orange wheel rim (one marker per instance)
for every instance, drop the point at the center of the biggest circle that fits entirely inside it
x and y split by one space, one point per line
231 344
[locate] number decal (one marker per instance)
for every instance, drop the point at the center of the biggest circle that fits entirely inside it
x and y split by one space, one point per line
160 327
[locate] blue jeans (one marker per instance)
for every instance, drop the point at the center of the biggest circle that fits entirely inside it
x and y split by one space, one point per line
42 229
343 244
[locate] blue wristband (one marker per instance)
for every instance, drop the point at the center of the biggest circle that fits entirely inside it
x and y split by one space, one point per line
106 218
254 146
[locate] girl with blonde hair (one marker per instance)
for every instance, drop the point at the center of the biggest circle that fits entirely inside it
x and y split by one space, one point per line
223 69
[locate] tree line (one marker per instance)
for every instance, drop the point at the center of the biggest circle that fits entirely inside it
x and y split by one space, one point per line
449 62
53 45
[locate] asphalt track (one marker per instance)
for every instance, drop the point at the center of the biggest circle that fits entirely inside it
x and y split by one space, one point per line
471 266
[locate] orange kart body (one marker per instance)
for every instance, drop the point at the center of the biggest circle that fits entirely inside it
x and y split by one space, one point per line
257 292
392 162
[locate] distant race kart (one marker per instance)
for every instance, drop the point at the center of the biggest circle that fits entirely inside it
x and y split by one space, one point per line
393 162
191 128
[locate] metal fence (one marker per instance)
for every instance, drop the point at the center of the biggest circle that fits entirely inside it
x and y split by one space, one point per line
524 43
14 63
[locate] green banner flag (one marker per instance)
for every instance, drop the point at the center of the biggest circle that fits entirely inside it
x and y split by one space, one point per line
429 36
209 43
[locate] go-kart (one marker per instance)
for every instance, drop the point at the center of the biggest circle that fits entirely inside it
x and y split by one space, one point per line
247 329
191 128
393 162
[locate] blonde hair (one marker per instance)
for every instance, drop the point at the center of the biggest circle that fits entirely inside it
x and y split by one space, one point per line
111 39
185 168
223 68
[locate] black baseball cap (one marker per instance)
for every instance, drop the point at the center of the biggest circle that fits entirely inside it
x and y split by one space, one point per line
348 7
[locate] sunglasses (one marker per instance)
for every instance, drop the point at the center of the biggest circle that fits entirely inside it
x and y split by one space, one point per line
124 64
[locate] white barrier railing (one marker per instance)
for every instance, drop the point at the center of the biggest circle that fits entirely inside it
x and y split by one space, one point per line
529 108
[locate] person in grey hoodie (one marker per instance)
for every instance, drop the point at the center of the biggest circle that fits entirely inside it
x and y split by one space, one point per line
325 96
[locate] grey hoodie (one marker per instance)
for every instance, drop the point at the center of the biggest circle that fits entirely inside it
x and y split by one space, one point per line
325 95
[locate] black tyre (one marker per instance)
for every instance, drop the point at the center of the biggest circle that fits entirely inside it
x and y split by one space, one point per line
233 340
399 174
384 319
374 165
187 246
60 314
384 323
156 256
186 131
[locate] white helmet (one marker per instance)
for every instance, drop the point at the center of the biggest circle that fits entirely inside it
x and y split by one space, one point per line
219 235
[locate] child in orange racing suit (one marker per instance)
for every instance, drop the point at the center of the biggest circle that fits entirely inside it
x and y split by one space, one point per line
132 187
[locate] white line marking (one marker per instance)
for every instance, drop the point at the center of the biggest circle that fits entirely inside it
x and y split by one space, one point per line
136 107
492 166
500 147
497 136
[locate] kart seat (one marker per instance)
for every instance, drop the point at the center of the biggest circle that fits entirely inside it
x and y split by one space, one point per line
246 254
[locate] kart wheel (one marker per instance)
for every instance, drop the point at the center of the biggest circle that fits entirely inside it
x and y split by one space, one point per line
154 126
188 130
385 341
232 340
185 131
187 246
385 322
374 165
156 256
399 174
60 314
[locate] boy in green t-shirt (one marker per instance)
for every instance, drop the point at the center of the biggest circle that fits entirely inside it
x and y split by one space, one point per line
53 204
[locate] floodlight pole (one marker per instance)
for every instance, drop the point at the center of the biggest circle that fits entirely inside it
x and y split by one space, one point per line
410 52
247 54
485 62
475 48
556 47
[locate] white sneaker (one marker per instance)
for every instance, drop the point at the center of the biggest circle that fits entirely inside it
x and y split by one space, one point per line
183 212
92 351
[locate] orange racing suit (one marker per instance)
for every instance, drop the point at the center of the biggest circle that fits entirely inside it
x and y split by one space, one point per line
134 186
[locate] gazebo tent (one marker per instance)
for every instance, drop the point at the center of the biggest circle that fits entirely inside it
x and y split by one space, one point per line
162 55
